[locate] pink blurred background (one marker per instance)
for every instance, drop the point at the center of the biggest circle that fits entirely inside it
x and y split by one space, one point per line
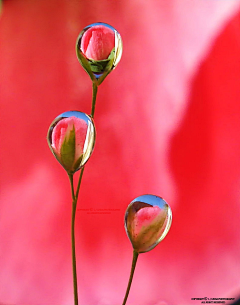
167 123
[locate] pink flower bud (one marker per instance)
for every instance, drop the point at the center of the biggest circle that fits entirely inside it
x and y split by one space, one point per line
71 138
99 50
147 221
97 42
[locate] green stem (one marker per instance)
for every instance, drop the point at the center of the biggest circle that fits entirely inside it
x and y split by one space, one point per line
74 206
72 187
79 183
134 262
94 97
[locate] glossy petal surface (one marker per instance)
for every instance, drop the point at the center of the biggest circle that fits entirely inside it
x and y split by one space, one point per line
99 50
71 138
147 221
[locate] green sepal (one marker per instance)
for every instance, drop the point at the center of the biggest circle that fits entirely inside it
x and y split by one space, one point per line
98 66
67 152
85 64
77 163
109 67
112 55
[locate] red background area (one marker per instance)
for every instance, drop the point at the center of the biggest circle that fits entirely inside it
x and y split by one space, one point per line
167 123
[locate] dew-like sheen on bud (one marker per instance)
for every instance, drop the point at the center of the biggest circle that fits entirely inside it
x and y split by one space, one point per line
147 221
71 138
99 50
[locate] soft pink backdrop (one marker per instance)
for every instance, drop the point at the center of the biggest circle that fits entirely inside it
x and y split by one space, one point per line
167 123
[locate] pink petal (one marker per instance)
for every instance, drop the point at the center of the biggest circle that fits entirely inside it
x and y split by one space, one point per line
98 42
145 217
62 131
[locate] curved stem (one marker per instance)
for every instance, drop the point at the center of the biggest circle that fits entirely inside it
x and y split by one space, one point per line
134 262
94 97
74 206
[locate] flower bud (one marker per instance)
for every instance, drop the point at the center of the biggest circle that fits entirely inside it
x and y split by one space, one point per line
147 221
71 138
99 50
97 42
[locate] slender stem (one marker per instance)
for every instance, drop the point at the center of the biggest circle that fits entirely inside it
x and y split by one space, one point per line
134 262
74 206
94 97
79 183
72 186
